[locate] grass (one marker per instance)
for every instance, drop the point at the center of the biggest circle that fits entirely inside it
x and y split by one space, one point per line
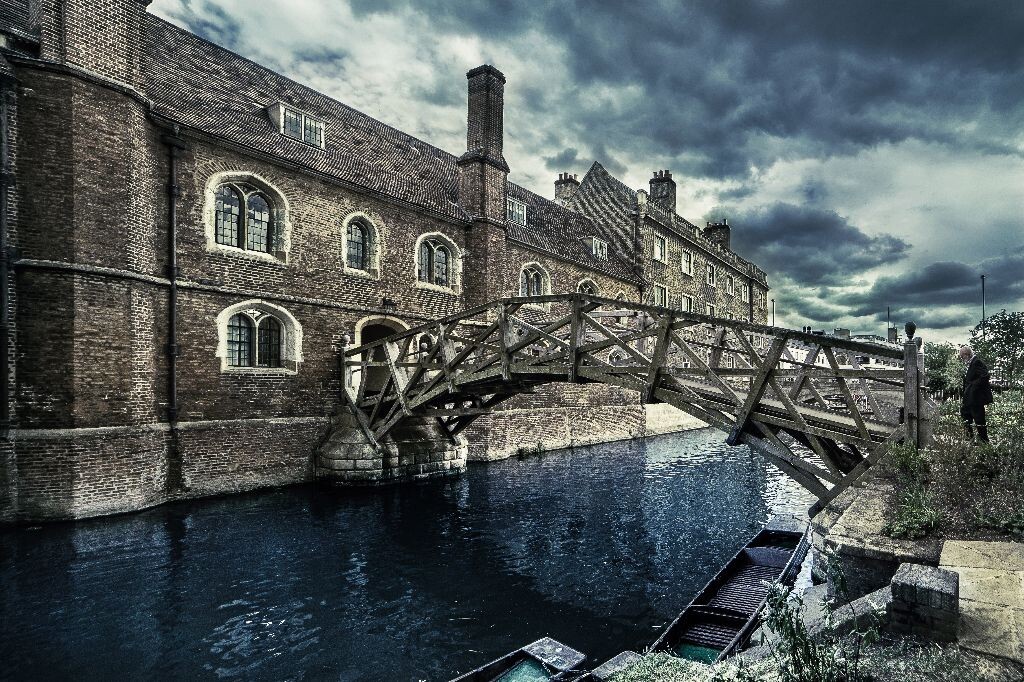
914 514
980 489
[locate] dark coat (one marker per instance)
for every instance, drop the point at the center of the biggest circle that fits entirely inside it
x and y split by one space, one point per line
977 391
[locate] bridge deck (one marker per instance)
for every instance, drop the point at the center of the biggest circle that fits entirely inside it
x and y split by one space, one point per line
822 409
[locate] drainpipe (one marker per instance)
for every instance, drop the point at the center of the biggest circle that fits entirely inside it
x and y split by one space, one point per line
175 144
6 182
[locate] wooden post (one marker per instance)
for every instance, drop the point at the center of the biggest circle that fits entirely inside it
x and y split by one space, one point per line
911 392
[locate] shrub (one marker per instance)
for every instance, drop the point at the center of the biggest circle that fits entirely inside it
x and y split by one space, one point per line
914 515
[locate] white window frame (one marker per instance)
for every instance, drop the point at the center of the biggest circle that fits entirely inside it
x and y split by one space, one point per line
660 243
655 289
709 309
745 292
686 303
730 285
510 214
686 262
598 248
711 275
277 114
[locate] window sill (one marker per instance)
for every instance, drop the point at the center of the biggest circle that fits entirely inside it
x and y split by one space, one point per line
261 256
259 371
688 274
435 287
365 274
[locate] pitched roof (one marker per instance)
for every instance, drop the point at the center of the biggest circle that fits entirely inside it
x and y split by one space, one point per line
550 227
209 88
14 16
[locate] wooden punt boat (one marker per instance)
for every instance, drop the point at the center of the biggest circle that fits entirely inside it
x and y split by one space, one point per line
725 613
541 661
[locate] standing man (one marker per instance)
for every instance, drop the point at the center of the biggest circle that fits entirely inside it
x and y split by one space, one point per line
977 394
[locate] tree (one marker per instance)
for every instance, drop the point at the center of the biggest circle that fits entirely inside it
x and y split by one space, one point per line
1000 343
936 359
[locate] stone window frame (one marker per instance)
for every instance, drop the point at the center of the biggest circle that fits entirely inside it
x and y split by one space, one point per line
711 277
730 285
591 282
709 309
655 286
686 267
686 303
291 333
280 216
455 267
744 292
545 280
376 245
663 241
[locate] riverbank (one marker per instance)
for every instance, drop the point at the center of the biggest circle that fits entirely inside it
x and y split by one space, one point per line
930 580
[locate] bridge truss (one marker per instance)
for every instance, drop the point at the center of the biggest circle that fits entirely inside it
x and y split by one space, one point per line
820 408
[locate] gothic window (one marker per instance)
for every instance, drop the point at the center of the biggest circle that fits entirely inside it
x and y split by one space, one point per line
435 266
240 341
252 229
588 287
357 246
228 216
268 351
532 281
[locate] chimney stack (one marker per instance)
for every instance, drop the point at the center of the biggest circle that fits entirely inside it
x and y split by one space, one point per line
719 233
663 190
482 169
485 128
565 186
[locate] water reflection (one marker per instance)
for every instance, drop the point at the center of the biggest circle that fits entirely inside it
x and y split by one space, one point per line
596 547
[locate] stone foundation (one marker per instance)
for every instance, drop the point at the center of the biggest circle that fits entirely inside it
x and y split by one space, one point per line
416 449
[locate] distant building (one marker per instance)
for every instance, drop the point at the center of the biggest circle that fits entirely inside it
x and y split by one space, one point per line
195 237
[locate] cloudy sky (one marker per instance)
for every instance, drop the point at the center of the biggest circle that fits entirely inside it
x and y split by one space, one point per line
867 154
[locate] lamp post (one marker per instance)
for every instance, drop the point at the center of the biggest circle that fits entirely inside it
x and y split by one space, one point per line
773 312
983 325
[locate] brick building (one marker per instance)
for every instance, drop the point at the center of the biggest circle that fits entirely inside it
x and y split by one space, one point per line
189 238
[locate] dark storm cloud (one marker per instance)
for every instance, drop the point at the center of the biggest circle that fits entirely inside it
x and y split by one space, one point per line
567 158
718 79
944 284
810 246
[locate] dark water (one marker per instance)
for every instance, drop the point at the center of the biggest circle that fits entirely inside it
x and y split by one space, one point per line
596 547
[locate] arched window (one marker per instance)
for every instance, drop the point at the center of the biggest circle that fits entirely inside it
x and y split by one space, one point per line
358 244
268 352
533 280
252 229
435 263
259 335
588 287
240 341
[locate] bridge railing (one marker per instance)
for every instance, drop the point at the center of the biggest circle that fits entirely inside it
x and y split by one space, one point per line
821 408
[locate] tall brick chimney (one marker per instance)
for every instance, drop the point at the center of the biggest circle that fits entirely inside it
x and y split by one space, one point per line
482 169
482 177
565 186
663 190
102 36
719 233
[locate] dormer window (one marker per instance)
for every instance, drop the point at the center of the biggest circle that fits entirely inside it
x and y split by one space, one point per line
516 211
298 125
598 247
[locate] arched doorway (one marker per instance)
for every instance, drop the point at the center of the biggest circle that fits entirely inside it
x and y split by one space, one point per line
375 330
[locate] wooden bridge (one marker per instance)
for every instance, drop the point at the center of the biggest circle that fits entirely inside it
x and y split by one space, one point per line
820 408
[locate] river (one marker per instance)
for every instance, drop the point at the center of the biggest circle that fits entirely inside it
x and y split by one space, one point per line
598 547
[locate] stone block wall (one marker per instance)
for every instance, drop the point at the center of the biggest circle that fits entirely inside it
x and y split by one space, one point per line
926 602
